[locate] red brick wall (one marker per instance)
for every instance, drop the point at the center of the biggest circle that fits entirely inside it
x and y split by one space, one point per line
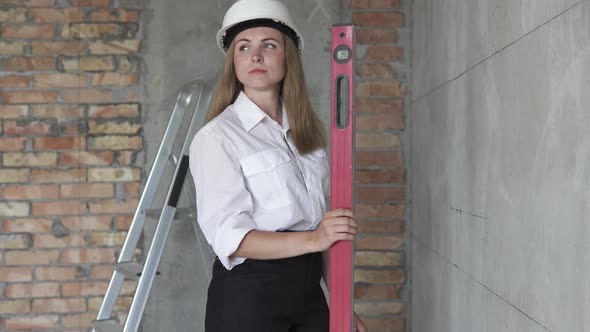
380 189
70 130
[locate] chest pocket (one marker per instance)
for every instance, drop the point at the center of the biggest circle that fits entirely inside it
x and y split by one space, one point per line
261 173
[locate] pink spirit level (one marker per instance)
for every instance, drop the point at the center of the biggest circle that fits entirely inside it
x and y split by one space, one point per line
341 173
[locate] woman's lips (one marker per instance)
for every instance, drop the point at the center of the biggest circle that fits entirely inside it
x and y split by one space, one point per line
257 71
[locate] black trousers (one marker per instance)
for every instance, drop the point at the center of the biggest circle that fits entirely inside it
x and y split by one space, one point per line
282 295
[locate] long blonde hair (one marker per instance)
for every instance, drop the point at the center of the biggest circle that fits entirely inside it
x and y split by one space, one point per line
306 128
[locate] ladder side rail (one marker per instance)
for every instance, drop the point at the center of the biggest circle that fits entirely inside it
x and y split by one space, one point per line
134 232
157 247
199 118
197 122
149 271
191 191
184 99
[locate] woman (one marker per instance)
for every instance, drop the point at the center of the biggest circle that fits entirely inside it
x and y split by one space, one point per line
261 176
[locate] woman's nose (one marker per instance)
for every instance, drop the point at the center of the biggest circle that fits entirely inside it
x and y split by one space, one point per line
256 57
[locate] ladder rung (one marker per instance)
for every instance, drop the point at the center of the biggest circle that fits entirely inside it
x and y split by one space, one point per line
107 325
179 214
131 270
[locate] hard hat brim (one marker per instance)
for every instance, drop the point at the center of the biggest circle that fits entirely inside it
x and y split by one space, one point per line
233 31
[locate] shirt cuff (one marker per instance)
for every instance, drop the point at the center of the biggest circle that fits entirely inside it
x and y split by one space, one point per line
227 240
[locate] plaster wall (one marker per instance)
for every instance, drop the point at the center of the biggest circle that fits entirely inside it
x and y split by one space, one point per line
500 166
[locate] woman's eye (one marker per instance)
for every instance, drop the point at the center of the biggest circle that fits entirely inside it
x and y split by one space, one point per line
242 47
269 45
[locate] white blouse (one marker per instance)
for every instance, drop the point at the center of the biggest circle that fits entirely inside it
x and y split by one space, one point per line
248 175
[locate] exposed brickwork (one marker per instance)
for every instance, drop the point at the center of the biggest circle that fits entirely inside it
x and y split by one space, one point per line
380 176
70 130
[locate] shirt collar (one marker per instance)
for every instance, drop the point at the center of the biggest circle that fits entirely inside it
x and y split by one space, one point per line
250 114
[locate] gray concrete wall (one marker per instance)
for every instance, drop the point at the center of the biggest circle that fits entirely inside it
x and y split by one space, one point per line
178 47
500 165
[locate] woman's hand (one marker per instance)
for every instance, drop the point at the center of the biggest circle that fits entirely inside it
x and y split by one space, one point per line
338 224
359 325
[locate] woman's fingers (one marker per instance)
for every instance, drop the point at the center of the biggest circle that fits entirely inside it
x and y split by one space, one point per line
339 213
332 222
343 228
340 236
338 224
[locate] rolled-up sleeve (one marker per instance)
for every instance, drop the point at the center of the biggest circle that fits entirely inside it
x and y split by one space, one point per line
224 205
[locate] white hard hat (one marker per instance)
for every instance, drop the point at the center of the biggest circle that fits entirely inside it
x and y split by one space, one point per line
244 14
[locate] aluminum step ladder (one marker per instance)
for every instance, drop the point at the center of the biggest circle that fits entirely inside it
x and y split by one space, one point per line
192 103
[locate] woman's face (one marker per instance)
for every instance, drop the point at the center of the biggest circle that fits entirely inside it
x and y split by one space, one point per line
259 58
